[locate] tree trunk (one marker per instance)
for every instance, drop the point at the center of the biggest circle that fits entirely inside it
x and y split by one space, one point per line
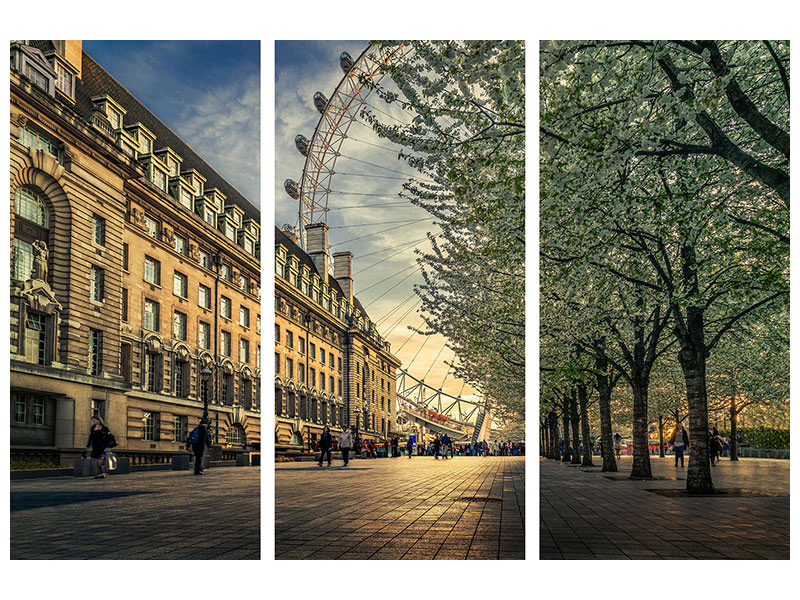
698 474
565 435
585 433
574 420
641 456
661 436
733 444
554 436
604 401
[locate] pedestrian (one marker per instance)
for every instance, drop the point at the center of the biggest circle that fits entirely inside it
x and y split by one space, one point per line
100 438
325 443
410 446
345 444
394 447
436 445
680 441
199 439
617 444
714 446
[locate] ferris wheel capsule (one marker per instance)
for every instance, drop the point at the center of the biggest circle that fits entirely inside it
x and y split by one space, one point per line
301 143
320 101
346 62
291 188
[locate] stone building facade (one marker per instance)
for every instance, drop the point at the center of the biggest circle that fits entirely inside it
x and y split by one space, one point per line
331 365
135 276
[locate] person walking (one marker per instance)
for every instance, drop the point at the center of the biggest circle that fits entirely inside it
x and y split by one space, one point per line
394 447
617 444
345 444
410 446
325 443
199 439
680 441
445 446
436 445
100 438
715 446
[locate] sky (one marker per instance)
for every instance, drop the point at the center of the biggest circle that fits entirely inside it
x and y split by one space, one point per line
208 92
364 201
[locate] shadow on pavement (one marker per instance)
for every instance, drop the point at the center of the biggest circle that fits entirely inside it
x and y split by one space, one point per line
28 500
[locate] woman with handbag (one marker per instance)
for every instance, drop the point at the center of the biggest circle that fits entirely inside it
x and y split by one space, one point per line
100 438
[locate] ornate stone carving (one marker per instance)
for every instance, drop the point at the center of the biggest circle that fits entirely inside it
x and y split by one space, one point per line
194 252
39 271
22 120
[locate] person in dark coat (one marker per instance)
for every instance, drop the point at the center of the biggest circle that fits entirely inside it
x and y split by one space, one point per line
198 443
99 436
680 442
436 444
325 443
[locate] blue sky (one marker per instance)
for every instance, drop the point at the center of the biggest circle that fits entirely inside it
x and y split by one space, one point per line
208 92
364 197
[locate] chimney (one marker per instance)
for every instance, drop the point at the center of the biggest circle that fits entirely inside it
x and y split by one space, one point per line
317 247
343 272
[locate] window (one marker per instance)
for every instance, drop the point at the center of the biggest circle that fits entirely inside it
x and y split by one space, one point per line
312 351
30 205
230 232
126 362
322 356
179 326
20 409
289 339
181 247
145 144
258 324
186 198
198 187
180 284
204 296
39 141
322 381
95 351
125 305
330 384
36 338
227 390
225 307
277 333
225 343
153 227
159 179
277 364
149 430
301 345
97 277
330 359
115 118
179 429
301 372
150 371
37 78
99 230
204 335
125 256
38 410
23 259
172 164
244 316
244 283
248 245
289 368
339 387
312 378
210 218
181 372
151 315
339 364
152 270
205 259
235 435
244 351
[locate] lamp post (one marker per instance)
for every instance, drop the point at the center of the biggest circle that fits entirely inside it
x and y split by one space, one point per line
206 373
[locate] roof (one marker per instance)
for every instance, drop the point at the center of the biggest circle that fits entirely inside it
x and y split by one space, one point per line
96 81
305 259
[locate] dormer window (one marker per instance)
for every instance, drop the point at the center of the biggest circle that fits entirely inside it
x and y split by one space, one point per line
210 218
37 77
186 198
115 119
145 145
159 179
230 232
198 187
248 245
64 80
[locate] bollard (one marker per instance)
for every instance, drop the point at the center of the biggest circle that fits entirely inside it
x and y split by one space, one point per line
180 462
85 467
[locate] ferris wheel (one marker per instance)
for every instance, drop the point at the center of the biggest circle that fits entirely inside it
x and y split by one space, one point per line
336 115
315 189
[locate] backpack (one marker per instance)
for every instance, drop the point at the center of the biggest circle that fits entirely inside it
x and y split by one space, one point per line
194 437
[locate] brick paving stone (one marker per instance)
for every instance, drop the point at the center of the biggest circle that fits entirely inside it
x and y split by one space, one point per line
142 515
587 515
388 509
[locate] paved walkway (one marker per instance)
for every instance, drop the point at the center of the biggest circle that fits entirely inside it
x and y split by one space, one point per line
589 516
143 515
400 508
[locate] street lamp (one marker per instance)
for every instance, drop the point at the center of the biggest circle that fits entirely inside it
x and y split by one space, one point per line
205 373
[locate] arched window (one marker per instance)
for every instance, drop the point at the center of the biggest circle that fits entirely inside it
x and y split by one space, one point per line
31 224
